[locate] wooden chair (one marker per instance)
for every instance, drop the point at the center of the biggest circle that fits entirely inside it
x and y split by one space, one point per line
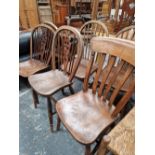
127 33
89 30
89 113
40 48
126 18
66 55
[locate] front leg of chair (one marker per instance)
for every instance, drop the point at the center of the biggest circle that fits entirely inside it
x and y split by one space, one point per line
35 98
87 150
50 114
71 89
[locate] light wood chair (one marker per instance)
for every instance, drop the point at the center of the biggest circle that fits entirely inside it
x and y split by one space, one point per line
66 54
89 113
89 30
127 33
40 48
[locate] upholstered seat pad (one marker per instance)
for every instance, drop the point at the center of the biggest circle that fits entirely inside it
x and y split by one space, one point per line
49 82
30 67
84 115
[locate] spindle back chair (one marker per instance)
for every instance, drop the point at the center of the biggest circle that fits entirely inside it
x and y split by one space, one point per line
40 49
89 113
66 54
127 33
89 30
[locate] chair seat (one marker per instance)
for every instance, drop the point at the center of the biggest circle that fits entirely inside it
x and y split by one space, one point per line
30 67
49 82
84 115
81 71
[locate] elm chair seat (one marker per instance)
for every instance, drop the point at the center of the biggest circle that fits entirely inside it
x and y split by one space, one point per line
82 114
43 83
30 67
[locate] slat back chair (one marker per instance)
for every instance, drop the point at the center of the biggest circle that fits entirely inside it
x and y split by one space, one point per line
95 105
40 48
127 33
66 54
89 30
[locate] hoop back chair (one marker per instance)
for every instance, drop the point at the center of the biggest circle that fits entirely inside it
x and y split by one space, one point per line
40 48
127 33
89 30
89 113
66 54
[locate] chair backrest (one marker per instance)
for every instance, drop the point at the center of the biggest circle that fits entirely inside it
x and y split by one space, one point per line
115 47
89 30
41 43
67 50
127 33
53 26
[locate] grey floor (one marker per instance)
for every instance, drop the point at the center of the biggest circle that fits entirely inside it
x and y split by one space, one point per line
35 137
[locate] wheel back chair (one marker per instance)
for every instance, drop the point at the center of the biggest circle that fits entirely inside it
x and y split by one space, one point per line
40 48
90 113
89 30
66 54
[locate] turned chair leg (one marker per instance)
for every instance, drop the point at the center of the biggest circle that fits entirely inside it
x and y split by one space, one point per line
50 114
71 89
35 98
58 123
88 150
103 146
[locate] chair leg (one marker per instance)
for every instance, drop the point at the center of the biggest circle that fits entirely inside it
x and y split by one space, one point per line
71 89
88 150
35 98
58 123
50 114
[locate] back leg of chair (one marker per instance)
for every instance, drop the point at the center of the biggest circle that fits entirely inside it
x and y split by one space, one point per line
87 150
71 89
58 123
50 112
35 98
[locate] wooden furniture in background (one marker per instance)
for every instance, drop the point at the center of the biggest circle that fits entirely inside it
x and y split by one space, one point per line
122 137
88 113
28 13
89 30
67 45
123 19
40 48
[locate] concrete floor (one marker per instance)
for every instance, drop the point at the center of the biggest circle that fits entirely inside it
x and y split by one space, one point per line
35 137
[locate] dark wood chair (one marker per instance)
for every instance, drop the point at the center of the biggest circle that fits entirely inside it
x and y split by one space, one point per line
89 30
89 113
66 54
40 48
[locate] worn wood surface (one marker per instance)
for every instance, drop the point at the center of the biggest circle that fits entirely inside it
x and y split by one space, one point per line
88 113
123 136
